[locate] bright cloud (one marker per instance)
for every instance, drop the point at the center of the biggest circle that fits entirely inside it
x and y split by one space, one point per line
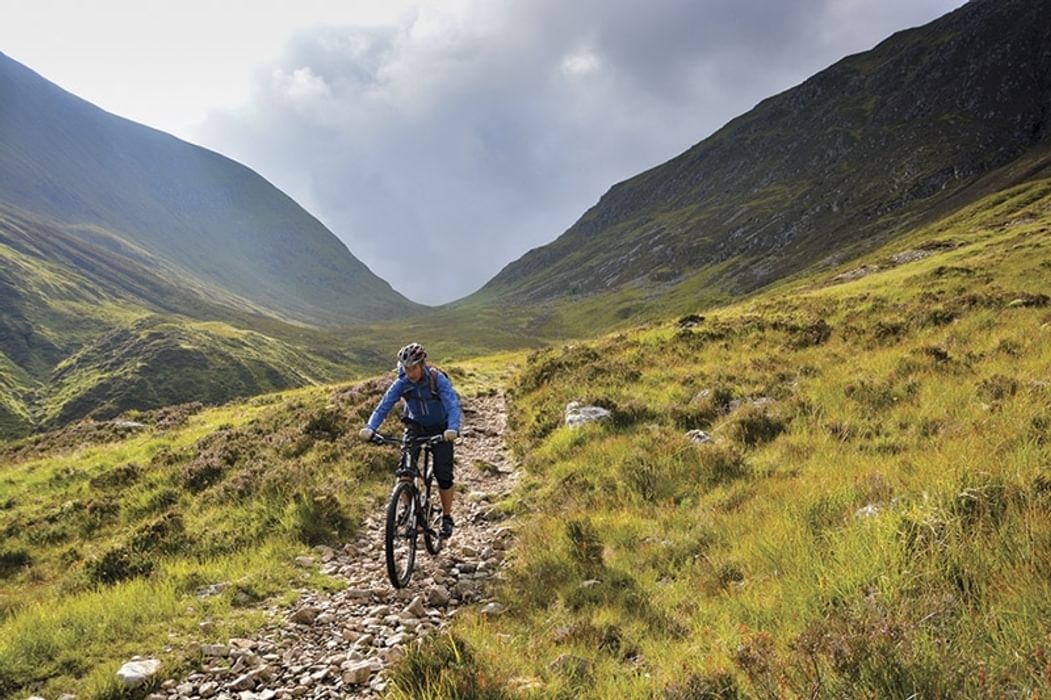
580 63
301 85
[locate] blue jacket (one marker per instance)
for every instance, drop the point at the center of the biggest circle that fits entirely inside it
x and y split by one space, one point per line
421 405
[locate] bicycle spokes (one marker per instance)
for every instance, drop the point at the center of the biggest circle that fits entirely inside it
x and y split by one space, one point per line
401 534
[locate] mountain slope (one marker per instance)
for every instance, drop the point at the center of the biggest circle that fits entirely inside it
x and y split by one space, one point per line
138 271
866 148
91 326
837 488
213 220
868 518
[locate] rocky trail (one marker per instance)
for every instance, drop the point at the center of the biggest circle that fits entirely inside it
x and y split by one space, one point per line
339 645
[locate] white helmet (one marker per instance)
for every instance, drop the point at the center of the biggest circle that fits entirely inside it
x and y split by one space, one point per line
411 354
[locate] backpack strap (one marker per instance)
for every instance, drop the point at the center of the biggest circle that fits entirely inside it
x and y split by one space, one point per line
433 372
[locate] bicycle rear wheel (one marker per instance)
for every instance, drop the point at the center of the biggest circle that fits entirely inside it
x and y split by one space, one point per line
400 536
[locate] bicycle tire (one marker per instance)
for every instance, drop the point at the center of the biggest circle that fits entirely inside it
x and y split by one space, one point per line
400 536
432 526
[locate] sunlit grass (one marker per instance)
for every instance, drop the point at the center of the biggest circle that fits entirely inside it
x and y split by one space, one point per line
871 521
870 518
108 544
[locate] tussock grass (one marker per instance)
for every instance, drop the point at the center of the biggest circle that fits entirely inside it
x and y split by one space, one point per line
871 518
120 541
123 546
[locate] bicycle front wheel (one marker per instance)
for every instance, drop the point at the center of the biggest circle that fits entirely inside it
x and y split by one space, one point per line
400 540
432 519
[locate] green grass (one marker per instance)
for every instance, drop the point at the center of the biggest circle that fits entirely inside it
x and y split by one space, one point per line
106 545
107 539
871 520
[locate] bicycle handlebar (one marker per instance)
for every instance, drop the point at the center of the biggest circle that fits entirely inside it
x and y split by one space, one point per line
380 439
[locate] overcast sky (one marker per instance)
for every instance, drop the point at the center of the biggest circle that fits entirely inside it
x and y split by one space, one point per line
442 140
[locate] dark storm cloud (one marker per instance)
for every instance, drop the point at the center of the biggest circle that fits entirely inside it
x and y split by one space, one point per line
441 149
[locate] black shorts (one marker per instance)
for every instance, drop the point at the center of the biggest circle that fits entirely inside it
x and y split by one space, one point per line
443 451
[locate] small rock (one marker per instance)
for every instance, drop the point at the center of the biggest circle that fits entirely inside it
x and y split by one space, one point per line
128 425
213 650
358 593
304 616
690 321
492 610
398 639
495 515
577 415
209 591
243 682
698 436
573 666
416 608
525 685
358 673
561 634
463 589
136 673
208 689
305 562
392 655
438 596
869 511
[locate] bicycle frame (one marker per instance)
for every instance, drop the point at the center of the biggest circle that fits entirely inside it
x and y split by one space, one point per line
410 510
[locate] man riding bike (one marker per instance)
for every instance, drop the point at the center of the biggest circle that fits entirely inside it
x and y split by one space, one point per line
431 408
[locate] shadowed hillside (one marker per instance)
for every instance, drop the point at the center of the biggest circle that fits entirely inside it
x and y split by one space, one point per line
864 150
213 220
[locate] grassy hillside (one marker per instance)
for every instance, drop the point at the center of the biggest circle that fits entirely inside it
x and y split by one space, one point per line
111 535
93 326
871 518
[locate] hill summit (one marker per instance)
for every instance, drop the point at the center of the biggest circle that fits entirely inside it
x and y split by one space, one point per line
875 144
212 220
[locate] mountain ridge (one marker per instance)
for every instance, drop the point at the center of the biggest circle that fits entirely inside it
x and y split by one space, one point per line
213 218
852 153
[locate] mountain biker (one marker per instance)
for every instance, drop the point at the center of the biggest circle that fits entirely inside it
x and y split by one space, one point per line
431 408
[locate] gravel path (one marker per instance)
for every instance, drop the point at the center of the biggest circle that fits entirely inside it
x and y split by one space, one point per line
339 645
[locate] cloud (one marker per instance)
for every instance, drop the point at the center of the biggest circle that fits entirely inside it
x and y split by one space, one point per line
443 147
300 85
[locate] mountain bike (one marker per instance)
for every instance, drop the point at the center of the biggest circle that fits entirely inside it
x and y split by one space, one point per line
411 509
